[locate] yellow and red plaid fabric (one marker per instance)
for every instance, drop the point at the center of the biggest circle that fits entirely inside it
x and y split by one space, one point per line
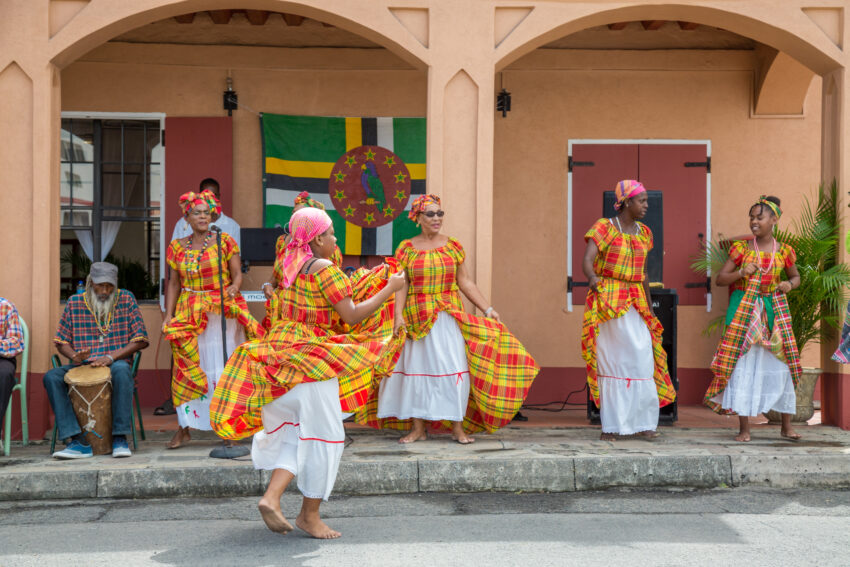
501 369
621 288
741 253
198 272
745 330
303 345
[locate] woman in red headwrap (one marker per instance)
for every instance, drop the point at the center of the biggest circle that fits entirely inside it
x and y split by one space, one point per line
193 310
756 366
290 388
621 337
460 372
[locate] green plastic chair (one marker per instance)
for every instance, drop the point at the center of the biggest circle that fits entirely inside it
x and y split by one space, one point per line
21 387
137 357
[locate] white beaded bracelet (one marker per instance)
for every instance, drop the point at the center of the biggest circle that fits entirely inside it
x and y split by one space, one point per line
487 311
109 356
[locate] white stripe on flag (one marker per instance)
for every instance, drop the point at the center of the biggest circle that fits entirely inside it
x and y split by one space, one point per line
384 234
285 198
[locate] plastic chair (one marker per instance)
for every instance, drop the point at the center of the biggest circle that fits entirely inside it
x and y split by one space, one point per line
21 387
137 357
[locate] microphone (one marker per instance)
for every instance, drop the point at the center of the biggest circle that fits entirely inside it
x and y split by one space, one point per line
214 228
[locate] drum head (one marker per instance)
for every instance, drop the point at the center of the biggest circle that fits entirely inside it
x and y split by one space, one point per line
86 375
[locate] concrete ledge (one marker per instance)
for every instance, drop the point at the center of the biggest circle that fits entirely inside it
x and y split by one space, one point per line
377 477
209 482
47 485
781 471
501 475
702 471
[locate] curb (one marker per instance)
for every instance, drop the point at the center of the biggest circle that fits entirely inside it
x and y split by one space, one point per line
528 474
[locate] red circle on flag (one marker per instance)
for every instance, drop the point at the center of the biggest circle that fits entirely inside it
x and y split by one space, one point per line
369 186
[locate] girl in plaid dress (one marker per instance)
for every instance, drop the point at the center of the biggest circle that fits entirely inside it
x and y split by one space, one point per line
193 309
461 372
621 337
756 365
290 388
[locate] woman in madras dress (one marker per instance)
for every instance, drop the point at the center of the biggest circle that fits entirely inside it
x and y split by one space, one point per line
756 366
290 388
193 310
621 337
461 372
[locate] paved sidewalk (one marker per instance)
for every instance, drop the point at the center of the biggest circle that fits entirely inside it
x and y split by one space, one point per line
517 458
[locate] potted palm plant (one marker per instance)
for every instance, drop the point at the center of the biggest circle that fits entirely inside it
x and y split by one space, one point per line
817 305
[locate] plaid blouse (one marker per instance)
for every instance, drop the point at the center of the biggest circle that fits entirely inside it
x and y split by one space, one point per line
742 253
433 283
11 333
80 329
198 269
310 298
621 256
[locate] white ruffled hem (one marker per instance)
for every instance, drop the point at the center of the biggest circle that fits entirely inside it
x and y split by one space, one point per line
760 383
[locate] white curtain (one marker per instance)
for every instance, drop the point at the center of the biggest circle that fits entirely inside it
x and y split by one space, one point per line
108 234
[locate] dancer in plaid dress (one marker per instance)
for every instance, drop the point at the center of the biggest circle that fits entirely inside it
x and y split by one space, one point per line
461 372
756 366
290 388
193 310
621 337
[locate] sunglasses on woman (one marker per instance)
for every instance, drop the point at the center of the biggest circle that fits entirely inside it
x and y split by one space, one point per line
432 214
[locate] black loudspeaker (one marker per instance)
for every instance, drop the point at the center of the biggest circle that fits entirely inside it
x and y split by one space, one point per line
258 245
665 302
654 219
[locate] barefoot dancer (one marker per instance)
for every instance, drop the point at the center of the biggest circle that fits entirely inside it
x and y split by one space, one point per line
193 311
756 366
465 371
621 337
290 388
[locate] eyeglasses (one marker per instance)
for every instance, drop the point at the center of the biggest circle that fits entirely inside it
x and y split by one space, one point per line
432 214
201 213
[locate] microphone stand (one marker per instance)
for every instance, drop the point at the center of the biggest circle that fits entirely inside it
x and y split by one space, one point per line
217 231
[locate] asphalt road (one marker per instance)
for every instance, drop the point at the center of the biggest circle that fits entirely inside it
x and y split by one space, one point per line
716 527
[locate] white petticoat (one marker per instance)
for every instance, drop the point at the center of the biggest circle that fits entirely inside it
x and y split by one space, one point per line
625 366
303 433
431 379
760 383
196 414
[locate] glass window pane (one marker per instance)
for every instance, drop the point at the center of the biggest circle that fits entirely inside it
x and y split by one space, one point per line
77 218
82 140
77 184
155 183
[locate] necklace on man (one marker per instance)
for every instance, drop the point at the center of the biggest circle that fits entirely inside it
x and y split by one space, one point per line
103 330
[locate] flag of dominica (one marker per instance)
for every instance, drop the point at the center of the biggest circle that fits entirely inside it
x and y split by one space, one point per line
364 170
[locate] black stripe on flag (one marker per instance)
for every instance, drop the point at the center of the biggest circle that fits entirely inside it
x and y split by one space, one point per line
417 187
368 241
298 184
369 127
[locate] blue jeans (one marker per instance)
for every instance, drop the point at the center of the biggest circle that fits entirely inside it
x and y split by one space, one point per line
122 399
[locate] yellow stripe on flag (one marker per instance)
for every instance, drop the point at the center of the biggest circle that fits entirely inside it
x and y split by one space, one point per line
314 169
417 170
353 133
353 239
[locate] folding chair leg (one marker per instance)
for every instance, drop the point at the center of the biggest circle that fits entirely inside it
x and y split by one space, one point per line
53 441
139 412
133 427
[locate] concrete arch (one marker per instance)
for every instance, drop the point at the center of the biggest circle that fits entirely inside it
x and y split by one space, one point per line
102 20
805 42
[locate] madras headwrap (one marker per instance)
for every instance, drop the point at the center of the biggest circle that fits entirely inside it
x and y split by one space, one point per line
420 203
626 189
763 200
303 198
189 200
304 226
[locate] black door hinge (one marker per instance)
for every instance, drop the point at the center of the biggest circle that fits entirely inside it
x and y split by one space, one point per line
571 164
706 164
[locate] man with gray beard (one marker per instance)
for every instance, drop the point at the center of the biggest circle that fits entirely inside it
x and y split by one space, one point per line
100 327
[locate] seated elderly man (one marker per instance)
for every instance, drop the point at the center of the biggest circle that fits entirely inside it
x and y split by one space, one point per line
101 327
11 345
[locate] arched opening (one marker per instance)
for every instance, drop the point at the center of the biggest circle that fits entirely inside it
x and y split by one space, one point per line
665 94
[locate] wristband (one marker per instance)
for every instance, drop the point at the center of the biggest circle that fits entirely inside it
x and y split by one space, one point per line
487 311
109 356
267 284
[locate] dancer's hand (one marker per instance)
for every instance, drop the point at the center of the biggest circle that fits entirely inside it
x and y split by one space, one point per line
396 281
397 324
593 282
268 290
784 286
749 269
231 291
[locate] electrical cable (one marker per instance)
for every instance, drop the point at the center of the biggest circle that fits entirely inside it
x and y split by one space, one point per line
564 404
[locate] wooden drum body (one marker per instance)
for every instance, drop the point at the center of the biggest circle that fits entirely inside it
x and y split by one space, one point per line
90 391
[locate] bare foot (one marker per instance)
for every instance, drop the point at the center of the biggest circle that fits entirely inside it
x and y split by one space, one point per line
273 517
181 437
743 437
414 436
608 437
789 433
316 527
463 438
